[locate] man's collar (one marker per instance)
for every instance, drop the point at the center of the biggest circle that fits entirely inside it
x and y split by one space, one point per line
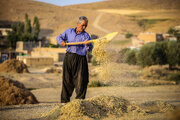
79 33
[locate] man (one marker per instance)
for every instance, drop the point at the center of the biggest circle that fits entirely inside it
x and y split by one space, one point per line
75 66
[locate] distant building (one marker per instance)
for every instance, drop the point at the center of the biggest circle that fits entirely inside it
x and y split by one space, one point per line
27 47
169 37
177 27
51 39
3 34
4 31
150 37
8 53
147 37
35 49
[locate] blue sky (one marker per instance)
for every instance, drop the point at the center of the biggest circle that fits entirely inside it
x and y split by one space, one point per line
68 2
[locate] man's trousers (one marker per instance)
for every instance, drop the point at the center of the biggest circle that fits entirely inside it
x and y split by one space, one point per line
75 75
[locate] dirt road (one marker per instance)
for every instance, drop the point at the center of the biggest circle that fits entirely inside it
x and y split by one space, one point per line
97 26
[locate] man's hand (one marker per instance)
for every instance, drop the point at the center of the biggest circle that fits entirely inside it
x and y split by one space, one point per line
63 43
86 42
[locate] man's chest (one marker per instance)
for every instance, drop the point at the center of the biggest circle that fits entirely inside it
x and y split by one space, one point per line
76 38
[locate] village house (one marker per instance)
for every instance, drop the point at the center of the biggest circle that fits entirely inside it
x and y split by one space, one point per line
147 37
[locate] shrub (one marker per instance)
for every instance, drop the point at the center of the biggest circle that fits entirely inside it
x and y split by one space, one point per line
155 72
93 61
130 57
147 23
159 53
161 73
144 56
174 77
152 54
53 45
129 35
173 53
96 84
121 55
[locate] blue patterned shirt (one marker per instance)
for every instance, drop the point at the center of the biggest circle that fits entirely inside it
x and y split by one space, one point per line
70 36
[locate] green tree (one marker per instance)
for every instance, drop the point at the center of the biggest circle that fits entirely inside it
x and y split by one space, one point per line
122 55
145 55
174 32
173 54
27 24
20 31
27 37
36 26
12 37
23 32
152 54
130 57
159 53
129 35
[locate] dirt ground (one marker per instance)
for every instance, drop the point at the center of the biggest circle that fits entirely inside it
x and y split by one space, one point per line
47 88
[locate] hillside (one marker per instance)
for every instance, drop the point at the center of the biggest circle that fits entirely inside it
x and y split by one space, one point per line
159 14
104 17
132 4
53 19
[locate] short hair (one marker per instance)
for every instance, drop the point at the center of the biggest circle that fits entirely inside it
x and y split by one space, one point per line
82 18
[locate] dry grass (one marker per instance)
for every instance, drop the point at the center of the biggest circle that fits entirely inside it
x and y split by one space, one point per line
122 11
160 75
132 4
53 70
155 72
148 9
157 106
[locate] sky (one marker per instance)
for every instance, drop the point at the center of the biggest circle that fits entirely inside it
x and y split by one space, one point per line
68 2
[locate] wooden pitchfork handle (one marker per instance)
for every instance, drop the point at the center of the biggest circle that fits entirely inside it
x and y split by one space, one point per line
107 38
79 43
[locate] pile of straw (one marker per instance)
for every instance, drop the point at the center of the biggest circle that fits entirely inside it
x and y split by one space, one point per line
98 107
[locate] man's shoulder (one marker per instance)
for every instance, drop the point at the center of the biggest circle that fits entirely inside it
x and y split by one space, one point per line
70 29
85 33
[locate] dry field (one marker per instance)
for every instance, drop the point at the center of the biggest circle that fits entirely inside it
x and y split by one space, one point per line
125 81
122 12
162 20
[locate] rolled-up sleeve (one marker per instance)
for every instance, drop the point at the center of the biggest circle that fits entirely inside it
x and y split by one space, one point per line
61 38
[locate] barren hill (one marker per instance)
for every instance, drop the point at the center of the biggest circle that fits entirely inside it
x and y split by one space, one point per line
103 16
159 15
52 18
132 4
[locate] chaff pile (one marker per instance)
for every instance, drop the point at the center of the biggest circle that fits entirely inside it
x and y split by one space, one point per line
14 93
98 107
13 66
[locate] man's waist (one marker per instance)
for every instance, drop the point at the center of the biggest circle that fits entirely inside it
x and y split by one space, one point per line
70 52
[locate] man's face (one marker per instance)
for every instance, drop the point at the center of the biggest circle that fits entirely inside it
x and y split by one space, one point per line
81 26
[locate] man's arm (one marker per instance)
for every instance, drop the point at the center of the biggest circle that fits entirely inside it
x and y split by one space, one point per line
89 46
61 39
